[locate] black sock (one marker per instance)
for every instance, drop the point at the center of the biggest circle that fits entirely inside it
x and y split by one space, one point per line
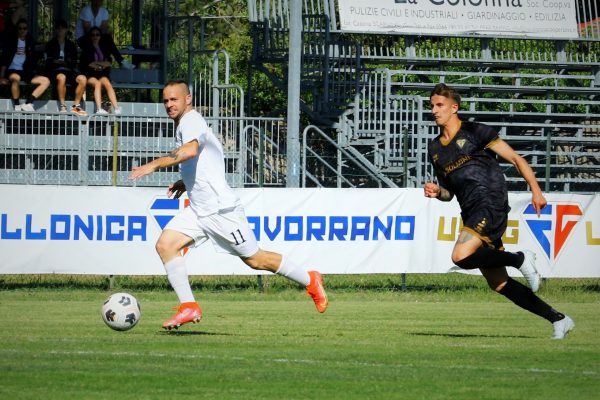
31 99
15 102
486 257
522 296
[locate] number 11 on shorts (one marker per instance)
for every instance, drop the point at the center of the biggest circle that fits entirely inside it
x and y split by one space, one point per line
238 237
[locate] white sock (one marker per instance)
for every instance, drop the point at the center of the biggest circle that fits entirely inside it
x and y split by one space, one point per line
292 271
178 277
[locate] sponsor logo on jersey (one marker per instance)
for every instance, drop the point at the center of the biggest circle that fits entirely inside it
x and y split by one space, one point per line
448 168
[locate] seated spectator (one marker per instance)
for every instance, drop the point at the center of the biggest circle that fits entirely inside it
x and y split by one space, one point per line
95 15
94 63
61 65
19 63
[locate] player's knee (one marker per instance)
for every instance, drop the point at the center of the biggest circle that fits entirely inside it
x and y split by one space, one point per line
465 257
460 258
468 262
456 258
163 248
159 247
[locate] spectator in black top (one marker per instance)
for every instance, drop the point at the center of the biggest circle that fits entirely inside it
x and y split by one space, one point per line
95 63
19 63
61 65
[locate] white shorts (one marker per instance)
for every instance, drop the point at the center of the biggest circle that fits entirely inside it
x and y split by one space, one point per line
228 230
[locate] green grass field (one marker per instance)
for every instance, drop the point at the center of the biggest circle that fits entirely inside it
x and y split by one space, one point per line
440 339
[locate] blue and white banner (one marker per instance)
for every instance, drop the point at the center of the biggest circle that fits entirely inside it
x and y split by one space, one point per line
532 18
112 230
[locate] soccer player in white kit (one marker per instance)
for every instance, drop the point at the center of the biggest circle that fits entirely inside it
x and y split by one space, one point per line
215 211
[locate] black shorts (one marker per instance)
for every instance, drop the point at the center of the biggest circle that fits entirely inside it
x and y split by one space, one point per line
92 73
488 224
71 75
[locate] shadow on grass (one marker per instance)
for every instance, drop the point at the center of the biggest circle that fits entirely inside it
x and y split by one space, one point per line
193 333
591 288
468 335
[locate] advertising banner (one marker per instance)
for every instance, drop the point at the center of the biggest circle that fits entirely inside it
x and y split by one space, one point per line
531 18
112 231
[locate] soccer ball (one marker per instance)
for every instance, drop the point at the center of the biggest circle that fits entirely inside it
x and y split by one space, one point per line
121 311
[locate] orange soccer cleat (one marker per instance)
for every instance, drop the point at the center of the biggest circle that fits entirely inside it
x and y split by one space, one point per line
316 290
187 312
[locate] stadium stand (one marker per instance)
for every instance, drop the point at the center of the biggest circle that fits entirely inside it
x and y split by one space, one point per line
367 96
48 147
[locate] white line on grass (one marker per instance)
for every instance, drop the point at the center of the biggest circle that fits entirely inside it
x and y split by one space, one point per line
305 361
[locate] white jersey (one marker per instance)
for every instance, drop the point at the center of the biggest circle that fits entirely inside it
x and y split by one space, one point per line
204 175
87 15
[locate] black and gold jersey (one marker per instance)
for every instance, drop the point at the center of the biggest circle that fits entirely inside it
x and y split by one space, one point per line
468 168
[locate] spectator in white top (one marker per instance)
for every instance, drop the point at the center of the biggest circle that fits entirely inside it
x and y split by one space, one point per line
18 63
94 14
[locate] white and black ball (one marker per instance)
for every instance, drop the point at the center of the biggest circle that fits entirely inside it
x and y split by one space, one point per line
121 311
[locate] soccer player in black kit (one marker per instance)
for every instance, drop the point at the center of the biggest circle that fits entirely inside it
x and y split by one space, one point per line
464 158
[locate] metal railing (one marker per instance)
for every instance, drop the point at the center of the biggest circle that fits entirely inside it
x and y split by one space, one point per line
576 86
559 138
55 148
587 14
387 133
435 51
327 163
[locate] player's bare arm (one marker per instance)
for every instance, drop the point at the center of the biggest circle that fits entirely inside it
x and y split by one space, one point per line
187 151
445 194
437 192
505 151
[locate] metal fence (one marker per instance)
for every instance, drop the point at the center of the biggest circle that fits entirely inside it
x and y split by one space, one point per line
575 86
384 138
587 13
440 51
328 163
54 148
